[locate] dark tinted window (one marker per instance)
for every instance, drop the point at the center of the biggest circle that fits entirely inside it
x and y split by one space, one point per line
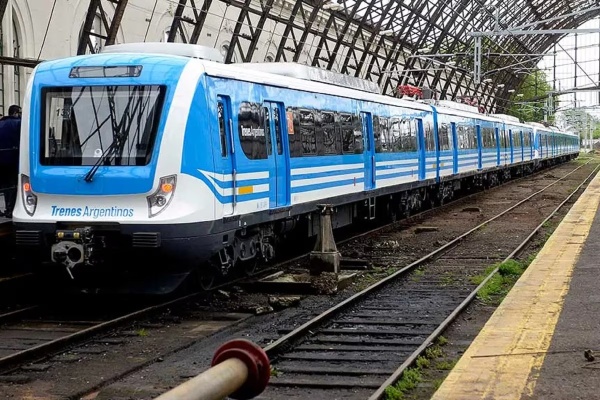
351 134
329 133
306 119
222 128
277 122
251 124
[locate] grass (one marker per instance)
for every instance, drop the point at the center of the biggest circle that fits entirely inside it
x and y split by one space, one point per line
445 365
423 362
141 332
412 376
500 283
275 372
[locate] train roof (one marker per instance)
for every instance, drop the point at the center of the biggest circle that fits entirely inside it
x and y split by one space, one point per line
168 49
288 75
305 72
242 73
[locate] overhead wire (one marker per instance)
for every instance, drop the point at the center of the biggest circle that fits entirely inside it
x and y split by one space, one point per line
47 28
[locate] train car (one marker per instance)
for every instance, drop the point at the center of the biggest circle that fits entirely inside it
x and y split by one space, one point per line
159 156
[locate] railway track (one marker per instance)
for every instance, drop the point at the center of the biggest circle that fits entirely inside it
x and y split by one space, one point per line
353 349
36 332
33 333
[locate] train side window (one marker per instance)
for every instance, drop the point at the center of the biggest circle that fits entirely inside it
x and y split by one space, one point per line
268 130
527 139
307 132
466 137
443 131
347 130
516 139
252 130
222 128
429 139
381 134
395 138
294 138
472 134
489 140
277 122
329 133
358 134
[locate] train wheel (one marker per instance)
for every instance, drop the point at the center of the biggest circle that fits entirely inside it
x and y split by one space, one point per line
251 267
206 276
206 281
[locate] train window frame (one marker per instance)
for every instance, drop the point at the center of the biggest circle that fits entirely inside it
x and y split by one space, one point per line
444 131
150 129
278 130
222 127
466 137
488 138
348 134
330 140
255 149
307 131
381 134
429 135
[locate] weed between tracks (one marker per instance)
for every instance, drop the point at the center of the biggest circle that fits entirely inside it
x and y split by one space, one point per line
413 376
491 293
500 284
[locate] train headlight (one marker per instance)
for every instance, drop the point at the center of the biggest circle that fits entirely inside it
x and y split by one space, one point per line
160 199
29 199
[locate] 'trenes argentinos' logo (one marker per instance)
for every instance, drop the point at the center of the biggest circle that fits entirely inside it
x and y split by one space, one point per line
87 212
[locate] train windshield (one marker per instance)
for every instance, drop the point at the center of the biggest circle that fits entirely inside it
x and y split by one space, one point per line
100 125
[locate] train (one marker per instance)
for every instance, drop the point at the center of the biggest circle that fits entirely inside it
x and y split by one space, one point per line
160 157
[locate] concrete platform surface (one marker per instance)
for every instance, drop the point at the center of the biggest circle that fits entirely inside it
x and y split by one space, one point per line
533 345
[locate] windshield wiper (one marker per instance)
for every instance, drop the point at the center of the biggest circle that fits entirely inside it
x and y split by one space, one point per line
108 153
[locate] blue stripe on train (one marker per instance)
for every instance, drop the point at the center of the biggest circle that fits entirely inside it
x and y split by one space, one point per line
327 185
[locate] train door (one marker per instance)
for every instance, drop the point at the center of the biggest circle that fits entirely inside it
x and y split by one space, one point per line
511 143
479 140
369 145
497 137
227 161
455 147
421 148
279 174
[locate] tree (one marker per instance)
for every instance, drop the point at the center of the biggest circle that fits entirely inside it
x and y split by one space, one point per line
524 107
578 120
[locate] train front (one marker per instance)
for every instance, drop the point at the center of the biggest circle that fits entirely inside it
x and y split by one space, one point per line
100 158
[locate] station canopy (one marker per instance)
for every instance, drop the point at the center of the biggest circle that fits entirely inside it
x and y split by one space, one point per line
395 43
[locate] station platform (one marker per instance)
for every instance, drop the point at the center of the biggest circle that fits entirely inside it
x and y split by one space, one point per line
533 345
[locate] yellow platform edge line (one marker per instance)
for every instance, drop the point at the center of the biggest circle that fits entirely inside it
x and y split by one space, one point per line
504 360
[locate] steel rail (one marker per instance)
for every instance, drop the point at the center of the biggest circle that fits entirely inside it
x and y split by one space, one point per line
282 343
47 348
12 314
378 394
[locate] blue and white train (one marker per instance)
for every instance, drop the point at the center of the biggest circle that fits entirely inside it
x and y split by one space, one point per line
161 152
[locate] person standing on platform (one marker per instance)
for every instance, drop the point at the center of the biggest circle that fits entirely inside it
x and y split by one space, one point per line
10 136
